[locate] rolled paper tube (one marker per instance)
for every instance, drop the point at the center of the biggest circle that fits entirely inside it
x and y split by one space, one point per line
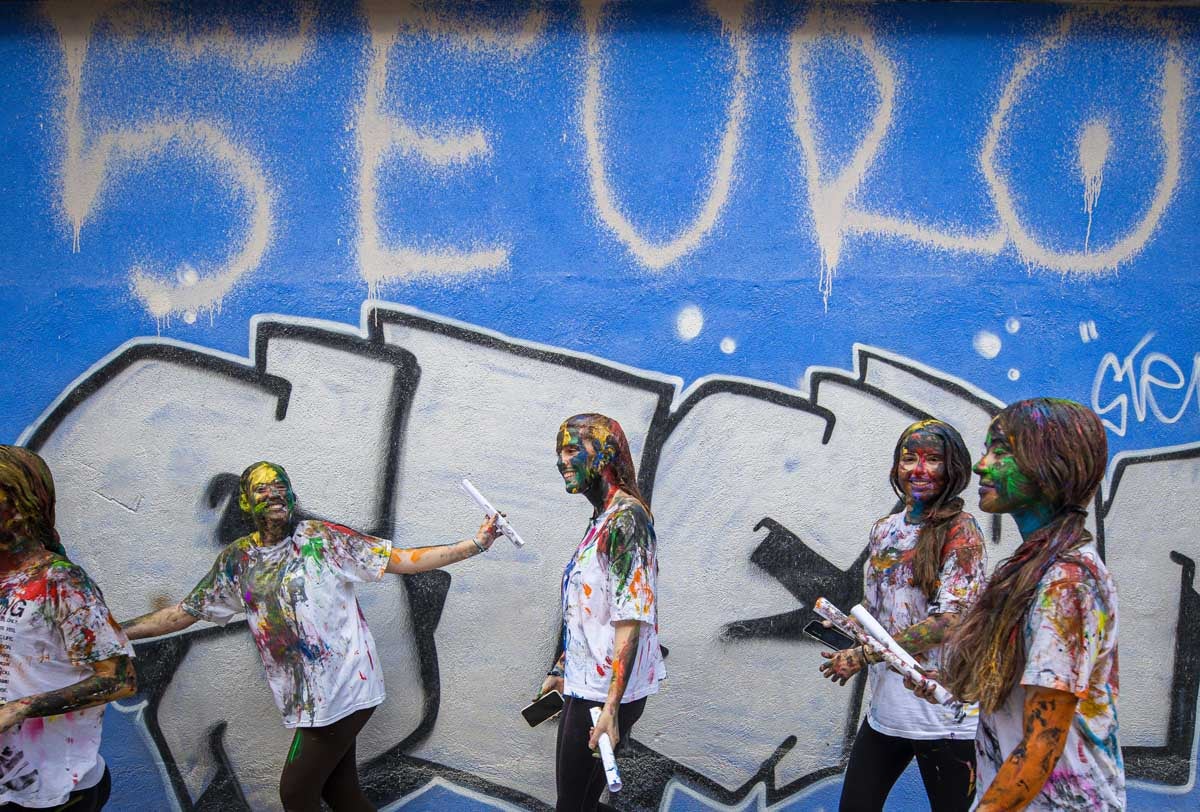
611 775
876 630
907 667
501 523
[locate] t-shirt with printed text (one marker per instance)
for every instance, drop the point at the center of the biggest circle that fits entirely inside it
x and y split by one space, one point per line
897 603
1070 638
298 596
53 626
613 576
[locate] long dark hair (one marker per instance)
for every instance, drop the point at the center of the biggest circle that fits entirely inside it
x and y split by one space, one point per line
609 443
944 510
26 478
1061 447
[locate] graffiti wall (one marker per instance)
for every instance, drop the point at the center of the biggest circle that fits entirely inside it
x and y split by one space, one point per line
390 245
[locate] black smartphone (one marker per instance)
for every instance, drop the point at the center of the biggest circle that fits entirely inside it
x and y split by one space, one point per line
544 707
829 636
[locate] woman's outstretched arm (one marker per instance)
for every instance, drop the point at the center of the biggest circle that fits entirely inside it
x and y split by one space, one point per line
157 623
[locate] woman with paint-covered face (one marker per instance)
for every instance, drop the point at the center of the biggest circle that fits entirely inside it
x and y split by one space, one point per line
295 583
62 656
1038 651
925 566
610 658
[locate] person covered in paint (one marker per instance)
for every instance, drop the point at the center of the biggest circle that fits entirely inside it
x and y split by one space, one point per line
62 656
1038 651
295 583
925 566
610 657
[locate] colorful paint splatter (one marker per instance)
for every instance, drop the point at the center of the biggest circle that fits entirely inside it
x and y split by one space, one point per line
1071 646
612 577
298 596
53 626
897 602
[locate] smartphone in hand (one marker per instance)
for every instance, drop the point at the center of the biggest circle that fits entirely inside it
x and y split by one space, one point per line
544 707
830 637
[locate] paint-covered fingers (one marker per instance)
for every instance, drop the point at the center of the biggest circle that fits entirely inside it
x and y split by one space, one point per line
840 666
551 683
607 723
925 689
488 531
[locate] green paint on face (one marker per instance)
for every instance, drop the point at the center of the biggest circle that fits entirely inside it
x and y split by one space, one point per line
1003 486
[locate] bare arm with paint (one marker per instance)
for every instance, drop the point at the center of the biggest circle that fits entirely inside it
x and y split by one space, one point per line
1048 715
111 679
626 636
410 560
155 624
928 633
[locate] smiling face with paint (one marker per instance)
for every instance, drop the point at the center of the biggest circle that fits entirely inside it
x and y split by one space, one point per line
1003 486
578 463
921 469
267 496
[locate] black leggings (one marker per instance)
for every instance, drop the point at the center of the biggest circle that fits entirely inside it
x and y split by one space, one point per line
877 760
579 775
322 765
91 799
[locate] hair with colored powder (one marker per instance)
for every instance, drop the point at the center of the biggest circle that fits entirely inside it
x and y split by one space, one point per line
244 482
26 479
1061 447
941 513
609 443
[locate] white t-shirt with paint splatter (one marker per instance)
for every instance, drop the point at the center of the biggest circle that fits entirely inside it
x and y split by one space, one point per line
1071 646
298 596
53 626
897 603
613 576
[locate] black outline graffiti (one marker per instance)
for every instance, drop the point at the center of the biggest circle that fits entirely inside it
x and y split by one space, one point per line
395 772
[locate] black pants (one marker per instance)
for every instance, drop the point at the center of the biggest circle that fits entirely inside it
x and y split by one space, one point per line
877 760
91 799
322 765
579 775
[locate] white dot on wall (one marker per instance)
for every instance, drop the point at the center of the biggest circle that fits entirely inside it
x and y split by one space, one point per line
1012 324
1014 374
986 344
190 317
190 277
689 322
728 345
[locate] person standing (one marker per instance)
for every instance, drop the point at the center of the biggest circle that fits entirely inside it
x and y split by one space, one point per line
925 566
610 657
62 656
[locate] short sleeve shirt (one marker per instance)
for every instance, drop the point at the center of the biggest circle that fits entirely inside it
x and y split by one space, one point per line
53 626
897 603
1070 637
298 596
613 576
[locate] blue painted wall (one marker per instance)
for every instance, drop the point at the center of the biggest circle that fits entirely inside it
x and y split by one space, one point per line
744 192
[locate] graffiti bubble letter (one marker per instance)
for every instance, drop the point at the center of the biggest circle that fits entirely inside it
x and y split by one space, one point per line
92 159
381 133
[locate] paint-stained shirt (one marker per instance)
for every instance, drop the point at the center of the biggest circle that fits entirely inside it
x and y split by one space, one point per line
298 597
53 627
897 603
1070 639
613 576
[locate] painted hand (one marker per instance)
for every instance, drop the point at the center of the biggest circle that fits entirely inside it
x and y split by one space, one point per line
11 715
551 683
925 688
487 532
607 724
840 666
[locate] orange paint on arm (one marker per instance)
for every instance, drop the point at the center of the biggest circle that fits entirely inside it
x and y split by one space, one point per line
1048 716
